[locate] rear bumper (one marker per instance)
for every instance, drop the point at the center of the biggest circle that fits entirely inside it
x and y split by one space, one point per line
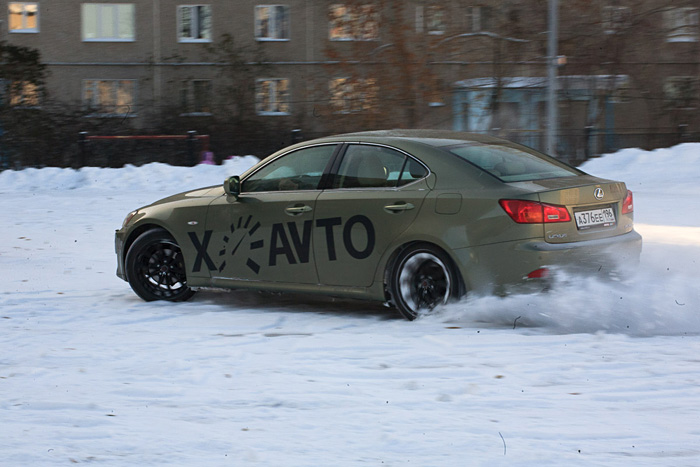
605 254
492 268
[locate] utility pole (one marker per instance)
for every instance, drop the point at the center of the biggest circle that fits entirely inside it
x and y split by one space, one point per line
552 63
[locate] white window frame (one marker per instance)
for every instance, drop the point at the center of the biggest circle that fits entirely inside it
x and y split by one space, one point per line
274 98
420 19
129 107
353 27
195 26
188 95
475 18
102 24
430 15
274 24
682 24
25 11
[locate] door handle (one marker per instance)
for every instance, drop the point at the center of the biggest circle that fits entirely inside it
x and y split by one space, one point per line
399 207
298 209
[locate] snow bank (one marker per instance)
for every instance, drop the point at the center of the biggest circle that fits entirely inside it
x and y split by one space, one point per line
674 170
640 169
150 177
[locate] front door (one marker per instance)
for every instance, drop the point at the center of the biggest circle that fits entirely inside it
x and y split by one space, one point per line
266 233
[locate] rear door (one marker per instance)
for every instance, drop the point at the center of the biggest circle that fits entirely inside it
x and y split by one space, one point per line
374 197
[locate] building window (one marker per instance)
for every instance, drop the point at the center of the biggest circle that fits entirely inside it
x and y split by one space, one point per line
272 22
431 19
196 97
108 22
479 18
615 18
194 23
24 94
353 95
681 92
682 24
353 22
110 97
272 96
23 16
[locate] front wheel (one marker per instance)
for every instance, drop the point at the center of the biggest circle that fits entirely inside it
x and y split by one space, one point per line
155 268
421 278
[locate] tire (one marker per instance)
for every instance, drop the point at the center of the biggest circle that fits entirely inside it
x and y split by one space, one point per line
155 268
422 277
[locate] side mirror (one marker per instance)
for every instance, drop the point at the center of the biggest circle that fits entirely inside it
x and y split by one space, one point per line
232 186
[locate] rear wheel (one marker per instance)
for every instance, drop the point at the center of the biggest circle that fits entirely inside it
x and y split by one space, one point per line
421 278
155 268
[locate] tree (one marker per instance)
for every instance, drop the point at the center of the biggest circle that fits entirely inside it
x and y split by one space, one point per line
22 76
646 55
378 74
391 60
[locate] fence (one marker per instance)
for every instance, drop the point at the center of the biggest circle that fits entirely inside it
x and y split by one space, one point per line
139 149
574 146
115 151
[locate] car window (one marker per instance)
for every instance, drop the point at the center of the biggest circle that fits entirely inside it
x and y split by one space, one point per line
366 166
412 171
298 170
513 164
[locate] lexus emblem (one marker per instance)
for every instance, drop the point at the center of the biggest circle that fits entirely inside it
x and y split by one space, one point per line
599 193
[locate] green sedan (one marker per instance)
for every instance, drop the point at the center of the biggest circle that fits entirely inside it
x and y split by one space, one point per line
412 218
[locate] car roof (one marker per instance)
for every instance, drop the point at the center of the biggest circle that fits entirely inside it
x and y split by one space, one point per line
435 138
403 139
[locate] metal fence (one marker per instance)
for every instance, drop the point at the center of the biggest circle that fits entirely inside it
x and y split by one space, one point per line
574 147
116 151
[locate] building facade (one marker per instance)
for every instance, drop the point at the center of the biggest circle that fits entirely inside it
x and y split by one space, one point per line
629 69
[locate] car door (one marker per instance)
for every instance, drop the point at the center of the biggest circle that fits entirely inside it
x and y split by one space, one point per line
265 234
375 195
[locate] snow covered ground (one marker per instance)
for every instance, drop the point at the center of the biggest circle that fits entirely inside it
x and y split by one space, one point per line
593 373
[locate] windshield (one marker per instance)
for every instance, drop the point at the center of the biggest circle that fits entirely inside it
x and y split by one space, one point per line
513 163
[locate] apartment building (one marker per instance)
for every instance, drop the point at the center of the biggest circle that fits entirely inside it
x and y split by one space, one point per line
127 58
323 66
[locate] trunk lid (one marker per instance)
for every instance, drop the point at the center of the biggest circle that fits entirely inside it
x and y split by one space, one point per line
595 206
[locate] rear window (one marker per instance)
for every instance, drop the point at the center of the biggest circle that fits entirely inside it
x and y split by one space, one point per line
513 163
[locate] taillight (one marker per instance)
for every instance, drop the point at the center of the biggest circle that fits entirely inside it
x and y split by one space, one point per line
532 212
541 273
628 204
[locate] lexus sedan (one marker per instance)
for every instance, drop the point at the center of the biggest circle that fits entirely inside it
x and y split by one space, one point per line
414 218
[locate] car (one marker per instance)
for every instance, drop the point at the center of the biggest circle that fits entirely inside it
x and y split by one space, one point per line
413 218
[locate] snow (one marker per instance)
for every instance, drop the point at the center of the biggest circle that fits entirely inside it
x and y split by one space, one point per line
592 373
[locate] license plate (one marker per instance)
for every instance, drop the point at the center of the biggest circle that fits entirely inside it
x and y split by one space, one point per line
604 217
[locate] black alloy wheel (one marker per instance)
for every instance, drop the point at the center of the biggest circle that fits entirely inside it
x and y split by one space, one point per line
155 268
421 278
